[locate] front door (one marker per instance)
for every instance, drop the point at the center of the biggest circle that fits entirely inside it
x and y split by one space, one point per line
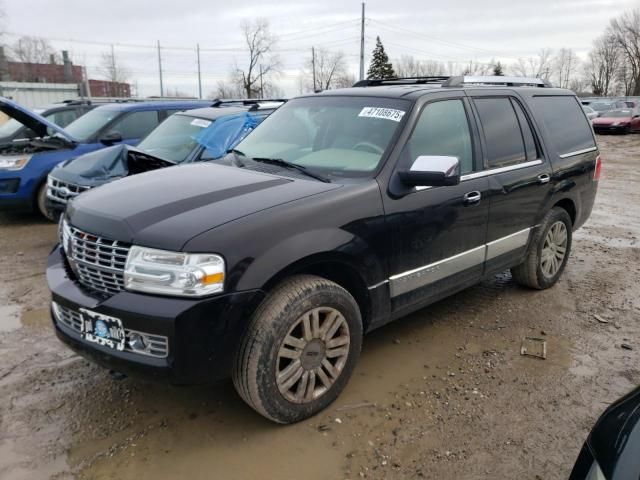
437 233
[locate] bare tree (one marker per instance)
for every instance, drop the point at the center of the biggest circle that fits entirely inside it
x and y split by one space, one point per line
30 49
565 64
329 67
227 90
346 80
113 71
408 66
603 64
255 76
626 30
538 66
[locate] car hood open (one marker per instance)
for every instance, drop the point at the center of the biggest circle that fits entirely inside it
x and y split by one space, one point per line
40 125
166 208
108 164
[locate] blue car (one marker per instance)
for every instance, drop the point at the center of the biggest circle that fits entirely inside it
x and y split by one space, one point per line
25 164
201 134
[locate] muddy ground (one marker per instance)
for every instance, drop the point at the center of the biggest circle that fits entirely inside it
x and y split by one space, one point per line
441 394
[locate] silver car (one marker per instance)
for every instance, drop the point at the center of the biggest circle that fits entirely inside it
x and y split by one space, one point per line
590 112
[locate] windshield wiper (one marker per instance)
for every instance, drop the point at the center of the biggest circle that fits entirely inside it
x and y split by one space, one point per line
237 152
283 163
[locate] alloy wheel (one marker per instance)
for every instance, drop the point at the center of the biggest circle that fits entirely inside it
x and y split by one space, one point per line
554 249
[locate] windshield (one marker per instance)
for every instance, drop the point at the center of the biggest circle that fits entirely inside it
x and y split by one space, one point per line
340 136
587 109
174 139
88 124
618 113
600 107
10 128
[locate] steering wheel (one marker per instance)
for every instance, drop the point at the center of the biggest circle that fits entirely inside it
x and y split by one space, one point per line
368 147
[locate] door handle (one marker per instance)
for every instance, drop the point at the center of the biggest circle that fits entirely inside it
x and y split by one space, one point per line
472 198
544 178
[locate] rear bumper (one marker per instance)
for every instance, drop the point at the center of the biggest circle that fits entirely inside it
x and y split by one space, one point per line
202 334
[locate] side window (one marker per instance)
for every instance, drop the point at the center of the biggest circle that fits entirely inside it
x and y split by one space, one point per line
568 128
136 124
63 118
503 138
443 129
527 132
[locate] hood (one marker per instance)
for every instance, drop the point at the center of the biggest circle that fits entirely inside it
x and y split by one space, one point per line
32 120
608 120
166 208
108 164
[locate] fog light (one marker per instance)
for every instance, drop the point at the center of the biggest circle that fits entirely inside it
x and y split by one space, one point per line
137 342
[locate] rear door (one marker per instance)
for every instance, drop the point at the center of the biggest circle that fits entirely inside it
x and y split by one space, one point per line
437 233
519 176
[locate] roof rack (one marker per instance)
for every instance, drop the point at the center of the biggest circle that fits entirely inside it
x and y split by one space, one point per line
376 82
253 103
491 80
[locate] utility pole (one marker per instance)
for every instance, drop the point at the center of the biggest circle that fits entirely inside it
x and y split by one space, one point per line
160 70
362 45
313 67
87 86
199 73
113 89
261 83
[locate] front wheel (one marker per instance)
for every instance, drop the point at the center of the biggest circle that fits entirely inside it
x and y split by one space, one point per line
549 251
41 202
299 350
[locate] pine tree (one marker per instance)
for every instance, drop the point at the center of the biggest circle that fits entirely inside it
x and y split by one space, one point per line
380 66
497 70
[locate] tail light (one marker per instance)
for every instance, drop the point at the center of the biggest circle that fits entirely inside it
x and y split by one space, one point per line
598 169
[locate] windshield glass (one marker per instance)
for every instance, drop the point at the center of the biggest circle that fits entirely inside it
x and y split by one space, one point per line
10 128
174 138
600 106
618 113
88 124
340 136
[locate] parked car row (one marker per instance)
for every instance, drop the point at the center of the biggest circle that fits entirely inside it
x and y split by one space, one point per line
340 212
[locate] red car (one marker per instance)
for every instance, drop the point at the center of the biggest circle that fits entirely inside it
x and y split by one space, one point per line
624 120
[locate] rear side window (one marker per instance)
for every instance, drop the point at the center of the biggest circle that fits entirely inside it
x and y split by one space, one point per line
565 122
502 133
136 124
527 133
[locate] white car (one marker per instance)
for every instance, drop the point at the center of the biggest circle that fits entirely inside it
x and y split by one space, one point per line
590 112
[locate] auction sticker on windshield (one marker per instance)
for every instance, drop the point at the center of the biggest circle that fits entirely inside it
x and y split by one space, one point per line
384 113
198 122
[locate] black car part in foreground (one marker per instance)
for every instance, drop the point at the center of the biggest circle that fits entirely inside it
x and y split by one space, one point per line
341 212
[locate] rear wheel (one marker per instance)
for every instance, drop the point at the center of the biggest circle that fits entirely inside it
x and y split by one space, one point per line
548 253
41 202
299 349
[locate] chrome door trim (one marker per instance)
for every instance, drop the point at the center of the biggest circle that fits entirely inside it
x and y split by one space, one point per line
495 171
405 282
507 244
419 277
578 152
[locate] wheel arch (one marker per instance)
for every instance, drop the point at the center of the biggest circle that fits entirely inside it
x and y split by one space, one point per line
338 268
569 206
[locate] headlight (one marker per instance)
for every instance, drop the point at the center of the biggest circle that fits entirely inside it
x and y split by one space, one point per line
173 273
14 162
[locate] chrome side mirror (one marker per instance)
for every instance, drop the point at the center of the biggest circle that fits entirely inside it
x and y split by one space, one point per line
432 171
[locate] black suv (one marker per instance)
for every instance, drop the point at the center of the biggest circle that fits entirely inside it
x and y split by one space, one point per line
341 212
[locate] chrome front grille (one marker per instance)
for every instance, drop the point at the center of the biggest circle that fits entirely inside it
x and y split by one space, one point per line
97 262
61 191
156 345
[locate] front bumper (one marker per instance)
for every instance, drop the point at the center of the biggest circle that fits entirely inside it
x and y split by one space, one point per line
611 128
202 334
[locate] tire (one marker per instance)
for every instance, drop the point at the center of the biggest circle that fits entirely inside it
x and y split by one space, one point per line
537 271
262 354
41 202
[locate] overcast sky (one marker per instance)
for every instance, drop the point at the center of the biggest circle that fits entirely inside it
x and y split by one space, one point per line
457 30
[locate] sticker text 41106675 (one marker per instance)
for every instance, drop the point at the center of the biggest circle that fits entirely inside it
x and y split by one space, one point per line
383 113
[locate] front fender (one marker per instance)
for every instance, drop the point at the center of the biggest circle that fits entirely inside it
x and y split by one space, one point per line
313 246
